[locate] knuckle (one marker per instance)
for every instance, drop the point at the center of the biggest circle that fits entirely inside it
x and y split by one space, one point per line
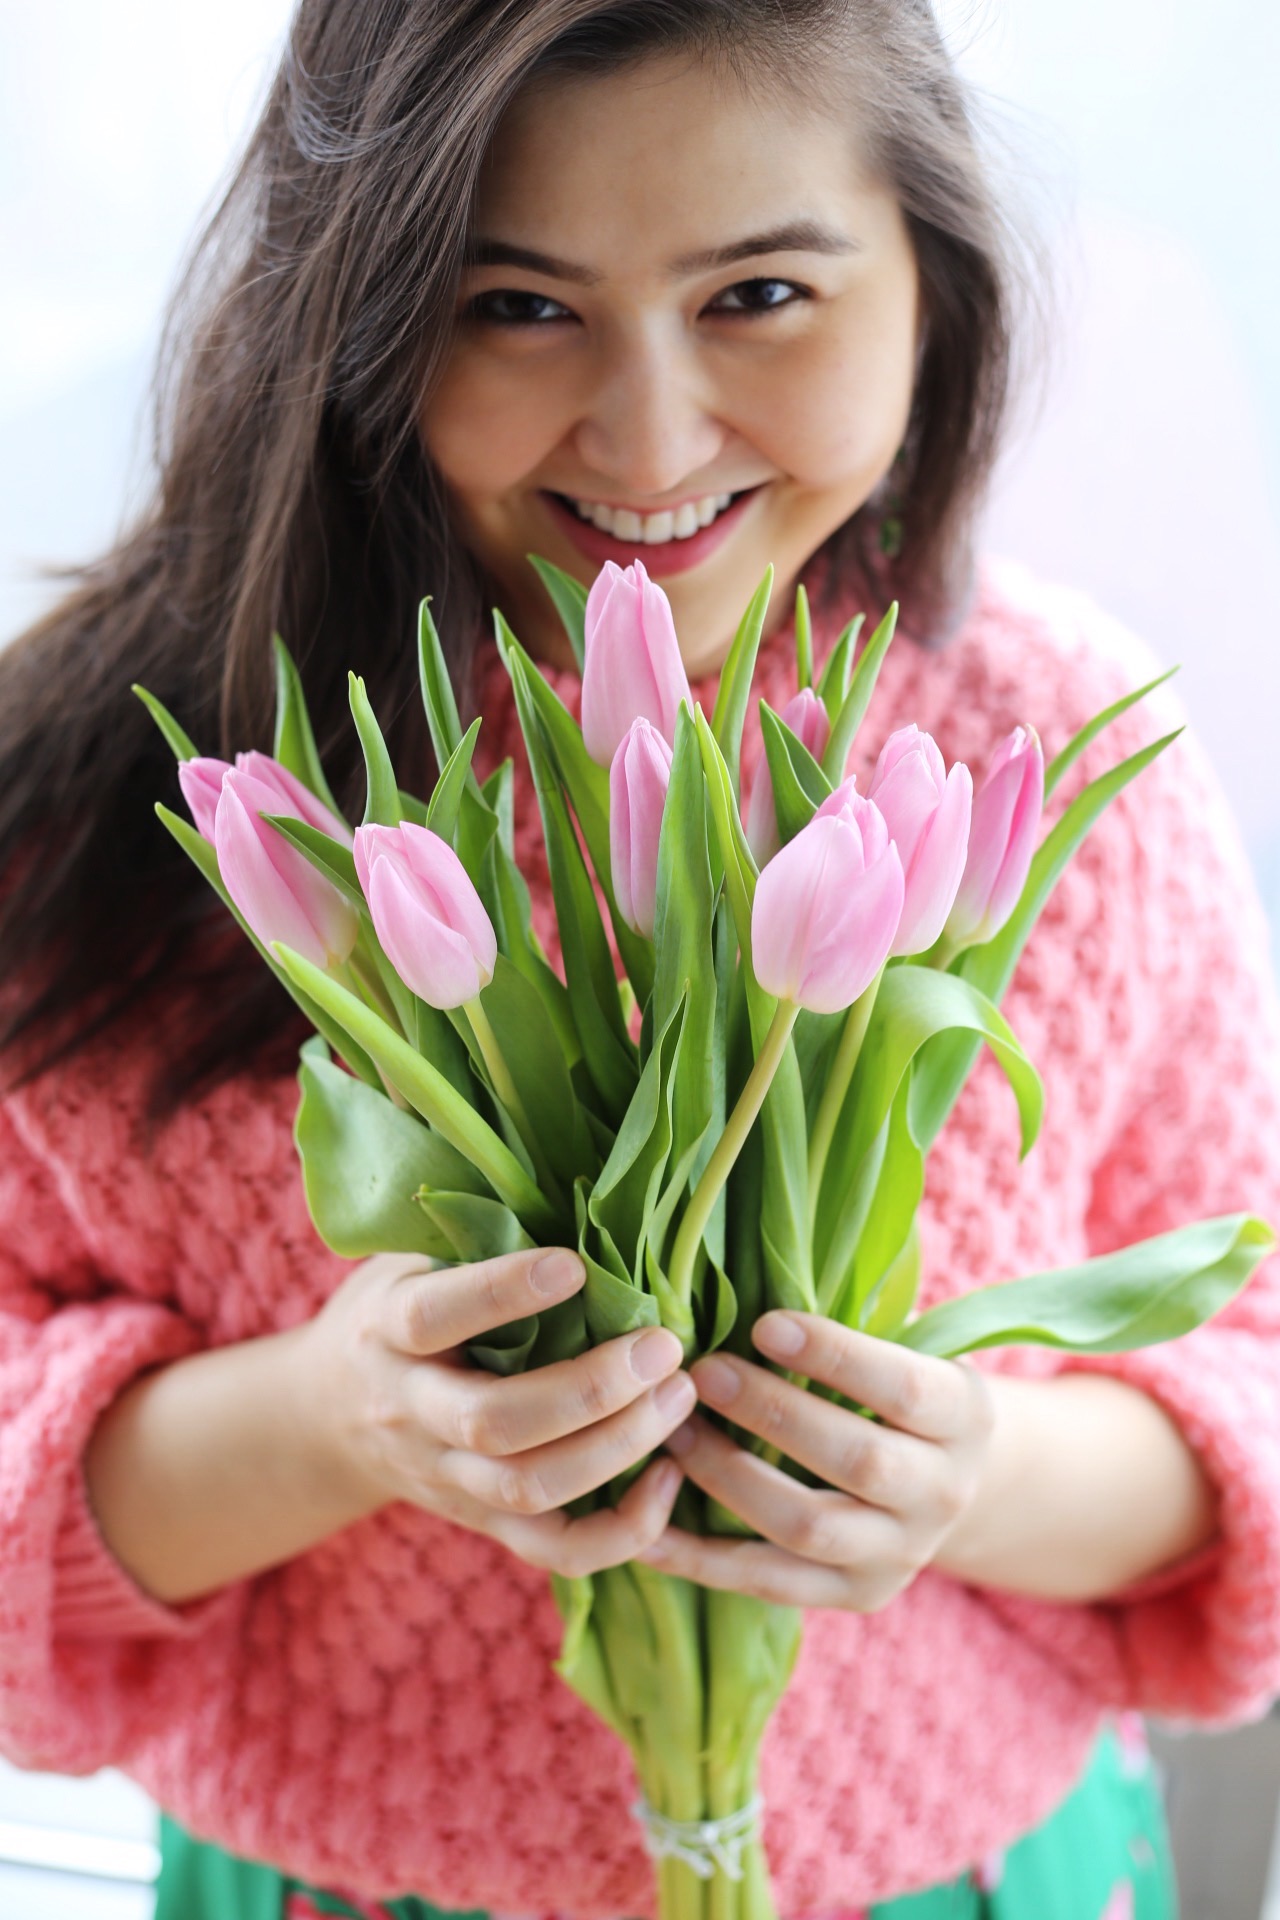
950 1501
522 1490
591 1391
771 1414
419 1317
481 1428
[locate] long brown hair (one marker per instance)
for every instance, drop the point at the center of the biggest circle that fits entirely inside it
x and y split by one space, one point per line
293 493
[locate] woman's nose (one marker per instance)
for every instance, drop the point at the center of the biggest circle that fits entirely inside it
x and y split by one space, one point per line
650 420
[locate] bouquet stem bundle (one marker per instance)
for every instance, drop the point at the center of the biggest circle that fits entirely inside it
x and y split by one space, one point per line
740 1122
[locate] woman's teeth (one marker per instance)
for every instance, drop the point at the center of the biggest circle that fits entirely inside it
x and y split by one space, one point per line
653 528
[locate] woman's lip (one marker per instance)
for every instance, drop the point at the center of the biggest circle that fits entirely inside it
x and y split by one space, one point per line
666 556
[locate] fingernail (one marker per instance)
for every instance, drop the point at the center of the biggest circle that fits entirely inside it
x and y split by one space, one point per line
557 1273
676 1396
654 1354
779 1335
667 1481
681 1441
718 1382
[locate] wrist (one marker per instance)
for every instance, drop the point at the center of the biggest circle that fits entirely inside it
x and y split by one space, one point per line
333 1482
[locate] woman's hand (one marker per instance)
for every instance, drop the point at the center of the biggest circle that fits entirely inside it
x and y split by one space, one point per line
893 1493
405 1416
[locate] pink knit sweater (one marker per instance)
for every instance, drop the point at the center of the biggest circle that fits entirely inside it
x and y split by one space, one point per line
381 1713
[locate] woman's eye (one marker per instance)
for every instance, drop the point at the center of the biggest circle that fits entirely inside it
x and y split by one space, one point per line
758 296
508 307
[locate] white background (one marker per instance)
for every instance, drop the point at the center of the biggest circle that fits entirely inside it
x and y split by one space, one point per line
1146 132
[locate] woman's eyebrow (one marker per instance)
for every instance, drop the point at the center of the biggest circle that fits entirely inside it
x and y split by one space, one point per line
794 236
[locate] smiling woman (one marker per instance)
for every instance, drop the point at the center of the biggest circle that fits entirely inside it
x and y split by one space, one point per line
707 284
707 352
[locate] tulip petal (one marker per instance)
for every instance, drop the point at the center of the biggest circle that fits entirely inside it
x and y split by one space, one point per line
934 875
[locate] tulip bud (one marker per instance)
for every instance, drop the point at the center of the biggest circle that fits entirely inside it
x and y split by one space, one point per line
1002 840
633 668
201 783
807 718
927 812
276 888
827 906
427 914
638 782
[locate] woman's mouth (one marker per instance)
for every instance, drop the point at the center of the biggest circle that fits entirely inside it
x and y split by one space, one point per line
668 542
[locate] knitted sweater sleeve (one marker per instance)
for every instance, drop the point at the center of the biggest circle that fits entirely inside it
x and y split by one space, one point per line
73 1623
1194 1131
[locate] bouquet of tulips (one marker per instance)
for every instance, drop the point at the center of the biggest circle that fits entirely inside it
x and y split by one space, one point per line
724 1096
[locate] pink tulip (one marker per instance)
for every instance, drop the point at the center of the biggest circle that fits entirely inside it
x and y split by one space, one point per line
1002 839
807 718
633 668
427 914
927 812
827 906
638 782
278 891
201 783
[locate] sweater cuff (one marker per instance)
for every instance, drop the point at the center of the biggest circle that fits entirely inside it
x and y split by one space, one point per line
1201 1640
93 1596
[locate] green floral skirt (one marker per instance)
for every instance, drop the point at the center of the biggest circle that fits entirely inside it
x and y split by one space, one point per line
1104 1855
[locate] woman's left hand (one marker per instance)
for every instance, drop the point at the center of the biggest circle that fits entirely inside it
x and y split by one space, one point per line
894 1489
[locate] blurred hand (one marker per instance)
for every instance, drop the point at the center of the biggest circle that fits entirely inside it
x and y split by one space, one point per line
402 1412
893 1492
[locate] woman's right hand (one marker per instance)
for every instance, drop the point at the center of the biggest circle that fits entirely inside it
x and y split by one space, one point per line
405 1416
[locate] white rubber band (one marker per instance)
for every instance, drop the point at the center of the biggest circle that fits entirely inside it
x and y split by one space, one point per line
706 1847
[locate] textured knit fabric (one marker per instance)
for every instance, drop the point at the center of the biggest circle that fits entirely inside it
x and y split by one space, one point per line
381 1713
1102 1855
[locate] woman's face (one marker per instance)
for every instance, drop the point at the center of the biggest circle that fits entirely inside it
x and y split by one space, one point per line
689 336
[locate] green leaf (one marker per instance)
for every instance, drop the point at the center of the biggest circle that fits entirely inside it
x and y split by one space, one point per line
588 963
683 934
1146 1294
853 708
942 1071
475 1225
740 870
833 682
295 743
206 859
1088 734
734 693
804 639
586 785
334 860
888 1307
437 689
530 1046
569 597
914 1006
427 1092
382 806
364 1159
613 1304
446 801
183 746
799 784
628 1183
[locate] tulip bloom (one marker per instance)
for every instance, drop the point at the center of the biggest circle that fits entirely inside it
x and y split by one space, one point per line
807 718
927 812
638 782
427 914
827 906
277 890
1002 840
201 783
632 666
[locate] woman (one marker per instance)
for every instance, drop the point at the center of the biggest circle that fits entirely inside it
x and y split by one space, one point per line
581 278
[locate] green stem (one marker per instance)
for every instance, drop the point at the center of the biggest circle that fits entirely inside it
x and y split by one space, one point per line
365 984
505 1088
730 1144
839 1080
